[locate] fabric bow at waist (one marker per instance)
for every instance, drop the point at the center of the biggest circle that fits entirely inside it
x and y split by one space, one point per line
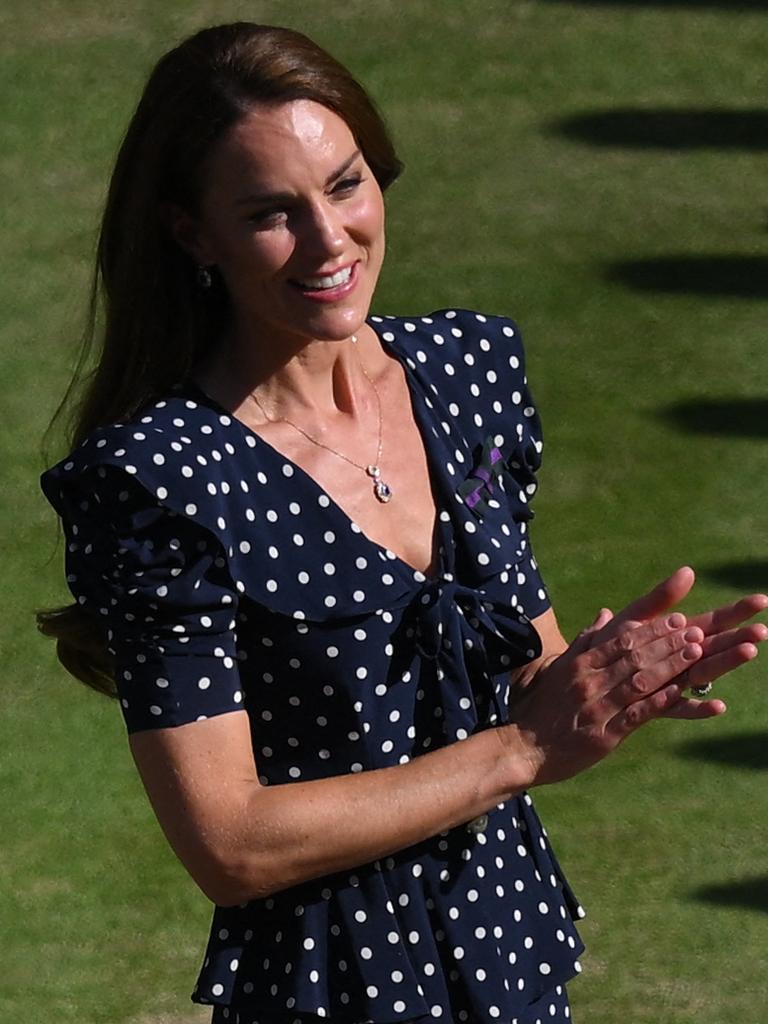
471 640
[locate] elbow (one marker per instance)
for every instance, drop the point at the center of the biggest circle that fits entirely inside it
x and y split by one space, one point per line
229 880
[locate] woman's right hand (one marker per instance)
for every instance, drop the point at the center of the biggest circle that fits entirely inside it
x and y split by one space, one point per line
619 673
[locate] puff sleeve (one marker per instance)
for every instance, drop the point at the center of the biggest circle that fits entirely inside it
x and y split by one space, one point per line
158 586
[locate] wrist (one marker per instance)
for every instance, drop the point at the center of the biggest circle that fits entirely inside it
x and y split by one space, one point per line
520 762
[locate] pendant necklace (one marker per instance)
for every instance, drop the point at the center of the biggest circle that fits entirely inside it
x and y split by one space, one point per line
381 489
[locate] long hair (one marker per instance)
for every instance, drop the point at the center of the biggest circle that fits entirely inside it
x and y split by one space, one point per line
149 323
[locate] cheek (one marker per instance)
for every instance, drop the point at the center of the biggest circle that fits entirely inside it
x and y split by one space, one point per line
369 219
251 253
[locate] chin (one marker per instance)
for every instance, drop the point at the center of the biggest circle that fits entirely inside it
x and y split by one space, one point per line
337 326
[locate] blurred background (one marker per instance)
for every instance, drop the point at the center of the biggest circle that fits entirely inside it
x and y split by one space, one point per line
596 170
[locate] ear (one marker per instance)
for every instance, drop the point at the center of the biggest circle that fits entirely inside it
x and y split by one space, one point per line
188 234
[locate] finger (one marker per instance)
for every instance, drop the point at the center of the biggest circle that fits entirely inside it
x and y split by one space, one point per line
755 633
631 641
664 596
655 676
585 639
730 615
707 670
690 709
655 705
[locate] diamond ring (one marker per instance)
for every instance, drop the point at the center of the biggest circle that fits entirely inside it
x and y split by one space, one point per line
701 691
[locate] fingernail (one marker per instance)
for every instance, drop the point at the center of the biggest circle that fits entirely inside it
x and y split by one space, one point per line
692 635
692 652
676 620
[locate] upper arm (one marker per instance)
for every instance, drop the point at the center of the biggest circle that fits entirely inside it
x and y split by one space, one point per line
158 587
198 778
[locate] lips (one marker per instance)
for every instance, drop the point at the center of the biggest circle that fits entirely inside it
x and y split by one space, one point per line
329 287
324 282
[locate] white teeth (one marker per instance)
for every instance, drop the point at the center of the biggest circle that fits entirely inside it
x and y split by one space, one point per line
333 281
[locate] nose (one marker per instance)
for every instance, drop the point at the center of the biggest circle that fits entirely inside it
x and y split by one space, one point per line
325 232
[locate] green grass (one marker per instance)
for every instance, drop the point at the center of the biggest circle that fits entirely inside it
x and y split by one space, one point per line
496 211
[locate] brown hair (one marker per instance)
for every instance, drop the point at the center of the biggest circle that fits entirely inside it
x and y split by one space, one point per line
157 324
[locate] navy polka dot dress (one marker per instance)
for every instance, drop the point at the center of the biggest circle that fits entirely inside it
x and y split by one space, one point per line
226 578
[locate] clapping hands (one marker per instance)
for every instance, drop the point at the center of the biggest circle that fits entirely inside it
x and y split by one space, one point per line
625 670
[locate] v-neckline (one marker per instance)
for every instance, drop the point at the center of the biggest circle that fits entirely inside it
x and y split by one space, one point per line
436 471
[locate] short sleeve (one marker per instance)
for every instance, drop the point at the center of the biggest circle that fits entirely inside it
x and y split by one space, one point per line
158 585
514 449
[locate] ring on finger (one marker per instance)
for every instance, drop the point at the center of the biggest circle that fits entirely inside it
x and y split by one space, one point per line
703 690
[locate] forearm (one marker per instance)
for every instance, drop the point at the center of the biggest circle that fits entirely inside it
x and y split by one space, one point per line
263 839
305 830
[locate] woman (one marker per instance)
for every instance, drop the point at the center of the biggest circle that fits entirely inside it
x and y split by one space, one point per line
297 538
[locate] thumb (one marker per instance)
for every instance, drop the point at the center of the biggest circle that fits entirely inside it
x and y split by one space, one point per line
660 599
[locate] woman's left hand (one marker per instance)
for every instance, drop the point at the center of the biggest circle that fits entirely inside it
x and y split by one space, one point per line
726 644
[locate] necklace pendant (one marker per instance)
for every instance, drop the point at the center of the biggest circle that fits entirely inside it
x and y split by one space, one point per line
373 471
382 491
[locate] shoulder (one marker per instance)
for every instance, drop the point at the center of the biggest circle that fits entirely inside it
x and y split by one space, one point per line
177 450
472 361
177 424
453 338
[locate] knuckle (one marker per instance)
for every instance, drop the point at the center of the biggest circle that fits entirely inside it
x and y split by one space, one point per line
634 716
634 658
581 687
590 660
637 684
625 641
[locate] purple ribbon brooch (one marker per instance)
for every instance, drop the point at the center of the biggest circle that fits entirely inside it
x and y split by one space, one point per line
477 490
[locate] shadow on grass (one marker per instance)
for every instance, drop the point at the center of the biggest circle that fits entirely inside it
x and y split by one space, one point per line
746 577
727 5
751 893
745 750
670 129
744 277
719 417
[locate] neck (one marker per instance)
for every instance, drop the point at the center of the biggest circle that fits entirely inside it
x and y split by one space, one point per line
308 380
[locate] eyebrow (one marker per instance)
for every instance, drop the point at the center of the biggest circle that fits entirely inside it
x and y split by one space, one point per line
276 197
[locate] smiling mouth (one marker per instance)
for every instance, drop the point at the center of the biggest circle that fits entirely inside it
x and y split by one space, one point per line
325 283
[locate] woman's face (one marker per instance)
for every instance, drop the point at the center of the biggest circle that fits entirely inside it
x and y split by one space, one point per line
293 218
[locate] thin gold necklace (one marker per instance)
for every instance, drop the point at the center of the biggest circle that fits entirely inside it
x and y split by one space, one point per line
381 489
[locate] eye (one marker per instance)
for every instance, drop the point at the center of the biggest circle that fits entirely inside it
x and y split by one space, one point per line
347 185
267 218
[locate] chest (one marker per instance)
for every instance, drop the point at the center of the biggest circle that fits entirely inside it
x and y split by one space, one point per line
407 523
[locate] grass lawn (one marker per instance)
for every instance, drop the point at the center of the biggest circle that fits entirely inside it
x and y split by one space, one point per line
511 203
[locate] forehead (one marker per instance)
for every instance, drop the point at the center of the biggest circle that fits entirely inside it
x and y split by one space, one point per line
272 143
